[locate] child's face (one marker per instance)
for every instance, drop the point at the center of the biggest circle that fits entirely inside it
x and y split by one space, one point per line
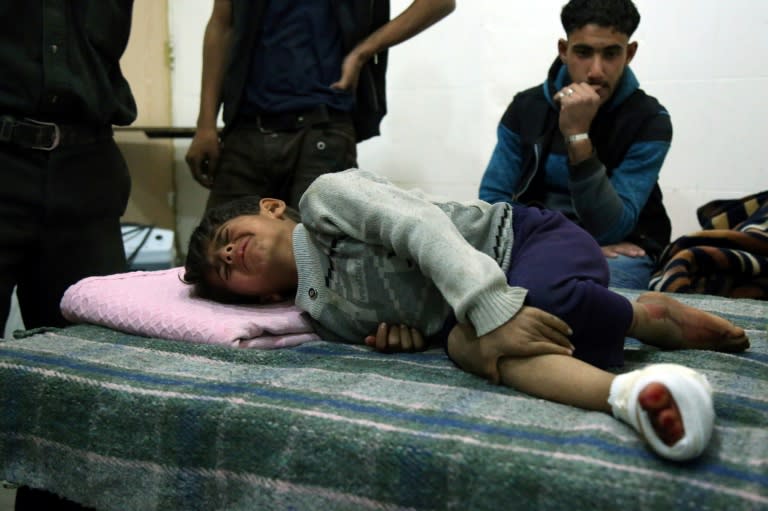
252 255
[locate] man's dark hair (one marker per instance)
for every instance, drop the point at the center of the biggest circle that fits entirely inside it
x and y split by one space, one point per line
620 15
197 265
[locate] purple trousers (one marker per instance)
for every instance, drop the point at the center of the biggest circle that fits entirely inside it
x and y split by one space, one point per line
566 274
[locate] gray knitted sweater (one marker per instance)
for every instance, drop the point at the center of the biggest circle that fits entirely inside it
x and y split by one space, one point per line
368 251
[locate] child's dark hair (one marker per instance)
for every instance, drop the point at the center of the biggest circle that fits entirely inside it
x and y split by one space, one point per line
621 15
197 265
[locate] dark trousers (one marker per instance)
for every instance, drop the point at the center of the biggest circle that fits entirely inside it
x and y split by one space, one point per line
59 222
280 164
566 274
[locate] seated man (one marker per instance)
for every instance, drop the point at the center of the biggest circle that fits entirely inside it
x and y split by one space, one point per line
590 143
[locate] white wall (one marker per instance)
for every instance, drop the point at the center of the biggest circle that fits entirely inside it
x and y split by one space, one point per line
447 88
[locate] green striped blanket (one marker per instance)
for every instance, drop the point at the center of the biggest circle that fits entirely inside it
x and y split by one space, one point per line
116 421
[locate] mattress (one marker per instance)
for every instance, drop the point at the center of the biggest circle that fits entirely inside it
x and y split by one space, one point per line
118 421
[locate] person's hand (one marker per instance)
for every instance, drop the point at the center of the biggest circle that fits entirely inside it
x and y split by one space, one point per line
624 248
203 156
530 332
350 73
579 103
396 338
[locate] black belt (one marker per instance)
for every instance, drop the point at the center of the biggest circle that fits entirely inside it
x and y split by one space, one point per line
47 136
294 121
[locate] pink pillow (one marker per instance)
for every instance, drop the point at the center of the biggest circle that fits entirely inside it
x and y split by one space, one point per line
159 304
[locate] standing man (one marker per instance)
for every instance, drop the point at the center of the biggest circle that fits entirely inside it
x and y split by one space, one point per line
590 143
301 84
65 183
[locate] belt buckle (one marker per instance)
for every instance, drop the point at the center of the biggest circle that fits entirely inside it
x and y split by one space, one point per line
56 135
261 128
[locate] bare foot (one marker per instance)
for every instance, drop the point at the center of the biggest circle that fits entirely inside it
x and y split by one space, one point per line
669 324
663 413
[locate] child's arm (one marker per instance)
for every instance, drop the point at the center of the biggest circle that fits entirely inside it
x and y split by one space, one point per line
529 333
366 207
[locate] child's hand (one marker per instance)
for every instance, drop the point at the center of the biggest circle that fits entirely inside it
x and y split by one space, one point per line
624 248
396 339
529 333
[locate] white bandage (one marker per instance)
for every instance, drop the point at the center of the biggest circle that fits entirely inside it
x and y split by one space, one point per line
691 392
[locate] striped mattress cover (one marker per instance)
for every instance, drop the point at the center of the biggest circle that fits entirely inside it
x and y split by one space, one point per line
122 422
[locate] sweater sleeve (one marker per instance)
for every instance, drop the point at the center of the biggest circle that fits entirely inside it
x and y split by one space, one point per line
366 207
502 176
609 207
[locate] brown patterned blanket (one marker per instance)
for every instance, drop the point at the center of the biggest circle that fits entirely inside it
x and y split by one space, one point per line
729 257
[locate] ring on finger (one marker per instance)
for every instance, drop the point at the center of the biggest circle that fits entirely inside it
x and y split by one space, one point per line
569 92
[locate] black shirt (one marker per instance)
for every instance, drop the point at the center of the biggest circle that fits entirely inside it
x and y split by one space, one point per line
297 58
60 60
356 19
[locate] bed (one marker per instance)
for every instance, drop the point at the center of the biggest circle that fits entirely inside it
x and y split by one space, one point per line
120 421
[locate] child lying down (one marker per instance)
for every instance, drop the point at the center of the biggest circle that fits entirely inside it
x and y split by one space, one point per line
519 295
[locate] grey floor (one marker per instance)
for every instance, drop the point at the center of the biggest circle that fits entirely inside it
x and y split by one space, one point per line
14 321
7 497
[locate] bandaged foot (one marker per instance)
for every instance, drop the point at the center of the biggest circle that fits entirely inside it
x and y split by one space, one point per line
692 396
671 324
